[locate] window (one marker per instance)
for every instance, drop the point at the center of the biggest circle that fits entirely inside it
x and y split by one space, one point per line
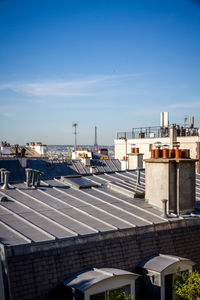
101 296
112 294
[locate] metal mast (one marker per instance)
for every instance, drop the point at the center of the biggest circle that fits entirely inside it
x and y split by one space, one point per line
95 139
75 125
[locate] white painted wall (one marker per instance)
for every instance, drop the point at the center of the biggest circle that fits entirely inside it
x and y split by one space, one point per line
75 154
124 164
40 149
173 269
112 283
186 142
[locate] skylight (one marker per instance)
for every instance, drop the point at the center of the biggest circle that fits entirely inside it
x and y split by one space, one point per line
78 182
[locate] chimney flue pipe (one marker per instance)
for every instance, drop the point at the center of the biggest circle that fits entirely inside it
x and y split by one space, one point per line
173 136
6 174
164 201
34 177
28 177
2 175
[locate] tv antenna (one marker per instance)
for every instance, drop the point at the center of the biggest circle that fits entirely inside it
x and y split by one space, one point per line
75 125
95 139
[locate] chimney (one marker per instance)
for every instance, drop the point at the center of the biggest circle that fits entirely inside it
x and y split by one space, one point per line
135 161
172 179
5 186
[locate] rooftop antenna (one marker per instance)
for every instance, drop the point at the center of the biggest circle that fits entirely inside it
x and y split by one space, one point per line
75 125
95 139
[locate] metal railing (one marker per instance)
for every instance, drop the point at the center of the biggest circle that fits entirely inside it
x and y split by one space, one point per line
156 132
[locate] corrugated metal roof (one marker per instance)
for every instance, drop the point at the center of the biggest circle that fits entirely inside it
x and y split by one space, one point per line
56 210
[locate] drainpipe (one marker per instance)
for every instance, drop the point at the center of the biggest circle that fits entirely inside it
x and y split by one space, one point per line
2 175
126 154
164 215
177 189
28 177
5 186
39 175
138 176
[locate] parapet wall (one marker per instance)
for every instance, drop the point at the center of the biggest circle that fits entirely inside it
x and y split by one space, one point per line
37 276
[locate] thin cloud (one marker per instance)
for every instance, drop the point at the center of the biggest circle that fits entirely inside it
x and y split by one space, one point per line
11 110
6 114
81 87
186 105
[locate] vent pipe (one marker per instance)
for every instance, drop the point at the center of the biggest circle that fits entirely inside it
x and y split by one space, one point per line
6 174
2 175
173 136
164 201
34 174
28 177
138 176
162 119
166 119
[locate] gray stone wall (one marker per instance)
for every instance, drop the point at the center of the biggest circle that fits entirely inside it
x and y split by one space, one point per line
38 275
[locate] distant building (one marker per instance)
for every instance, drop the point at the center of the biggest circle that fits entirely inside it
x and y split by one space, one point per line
38 147
146 139
5 148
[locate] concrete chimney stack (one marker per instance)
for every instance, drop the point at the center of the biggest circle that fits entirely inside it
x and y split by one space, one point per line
172 179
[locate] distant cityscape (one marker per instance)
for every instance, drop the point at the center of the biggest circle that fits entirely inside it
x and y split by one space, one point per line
63 152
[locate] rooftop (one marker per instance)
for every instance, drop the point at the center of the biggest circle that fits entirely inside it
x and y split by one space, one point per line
57 210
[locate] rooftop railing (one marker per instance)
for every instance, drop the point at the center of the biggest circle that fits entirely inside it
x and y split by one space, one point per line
156 132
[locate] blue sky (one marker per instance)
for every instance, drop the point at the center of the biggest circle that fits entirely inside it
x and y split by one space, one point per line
114 64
